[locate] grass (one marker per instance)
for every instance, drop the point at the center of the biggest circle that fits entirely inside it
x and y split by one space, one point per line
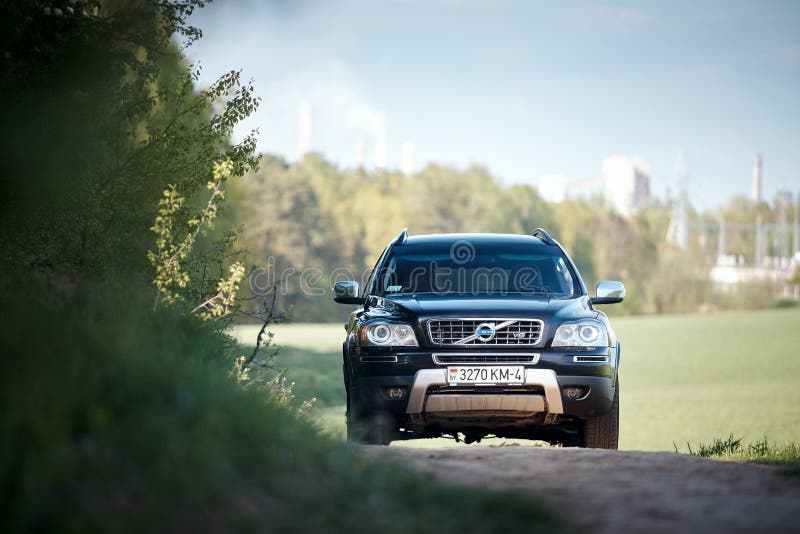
762 451
719 447
685 378
692 378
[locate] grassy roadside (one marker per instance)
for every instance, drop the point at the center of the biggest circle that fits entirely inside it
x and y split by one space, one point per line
763 452
127 420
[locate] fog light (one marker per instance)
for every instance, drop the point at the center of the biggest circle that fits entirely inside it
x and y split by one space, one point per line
574 393
397 393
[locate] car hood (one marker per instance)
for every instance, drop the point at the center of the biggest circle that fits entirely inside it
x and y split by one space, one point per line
509 306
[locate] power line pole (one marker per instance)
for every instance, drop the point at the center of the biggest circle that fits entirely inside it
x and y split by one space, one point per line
303 129
783 204
758 259
756 193
796 244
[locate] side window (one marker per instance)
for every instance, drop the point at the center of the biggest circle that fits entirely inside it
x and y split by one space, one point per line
389 276
564 276
368 285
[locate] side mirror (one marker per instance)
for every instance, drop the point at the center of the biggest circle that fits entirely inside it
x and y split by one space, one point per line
346 292
609 292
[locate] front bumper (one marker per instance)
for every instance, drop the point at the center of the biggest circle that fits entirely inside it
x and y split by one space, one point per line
420 401
541 399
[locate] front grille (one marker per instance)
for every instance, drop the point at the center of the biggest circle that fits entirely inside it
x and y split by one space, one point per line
464 331
484 358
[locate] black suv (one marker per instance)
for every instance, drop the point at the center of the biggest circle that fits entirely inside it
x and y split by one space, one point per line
480 334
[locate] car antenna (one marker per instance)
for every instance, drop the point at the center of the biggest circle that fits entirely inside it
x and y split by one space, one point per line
401 239
542 234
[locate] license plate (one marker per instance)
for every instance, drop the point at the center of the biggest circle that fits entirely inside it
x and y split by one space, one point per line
485 375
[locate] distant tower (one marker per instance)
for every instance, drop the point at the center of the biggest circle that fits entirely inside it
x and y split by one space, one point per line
757 180
303 129
361 152
380 152
678 231
407 160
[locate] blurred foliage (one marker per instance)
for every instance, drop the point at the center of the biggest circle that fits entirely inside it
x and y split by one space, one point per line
117 418
101 115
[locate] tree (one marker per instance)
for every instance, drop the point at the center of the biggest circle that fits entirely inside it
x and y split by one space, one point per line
102 114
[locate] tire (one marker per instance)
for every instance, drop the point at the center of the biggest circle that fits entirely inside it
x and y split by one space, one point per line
362 427
375 430
353 420
602 431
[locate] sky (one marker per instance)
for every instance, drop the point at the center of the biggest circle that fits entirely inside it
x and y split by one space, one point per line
525 88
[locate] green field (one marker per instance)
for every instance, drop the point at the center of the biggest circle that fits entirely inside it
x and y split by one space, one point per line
684 377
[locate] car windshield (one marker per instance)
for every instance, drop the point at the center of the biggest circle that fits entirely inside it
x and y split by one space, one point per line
466 267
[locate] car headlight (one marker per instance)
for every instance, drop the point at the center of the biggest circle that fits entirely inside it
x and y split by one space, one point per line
586 333
384 334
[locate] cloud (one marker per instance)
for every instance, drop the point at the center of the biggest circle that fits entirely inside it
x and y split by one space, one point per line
340 111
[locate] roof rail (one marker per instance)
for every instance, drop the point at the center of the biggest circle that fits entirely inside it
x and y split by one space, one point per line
542 234
401 239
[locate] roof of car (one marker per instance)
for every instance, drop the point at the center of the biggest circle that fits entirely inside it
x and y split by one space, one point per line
477 239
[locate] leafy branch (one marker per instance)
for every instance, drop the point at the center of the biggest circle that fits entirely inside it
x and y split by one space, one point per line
170 254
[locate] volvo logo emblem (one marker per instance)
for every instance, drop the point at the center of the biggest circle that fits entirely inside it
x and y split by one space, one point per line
485 332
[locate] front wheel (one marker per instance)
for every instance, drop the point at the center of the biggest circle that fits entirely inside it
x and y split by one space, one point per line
364 428
602 431
376 430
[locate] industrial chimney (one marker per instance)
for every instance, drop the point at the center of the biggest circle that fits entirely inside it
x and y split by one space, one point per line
380 151
407 158
303 129
361 152
757 180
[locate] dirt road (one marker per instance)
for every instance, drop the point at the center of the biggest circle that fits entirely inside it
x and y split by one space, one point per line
618 491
